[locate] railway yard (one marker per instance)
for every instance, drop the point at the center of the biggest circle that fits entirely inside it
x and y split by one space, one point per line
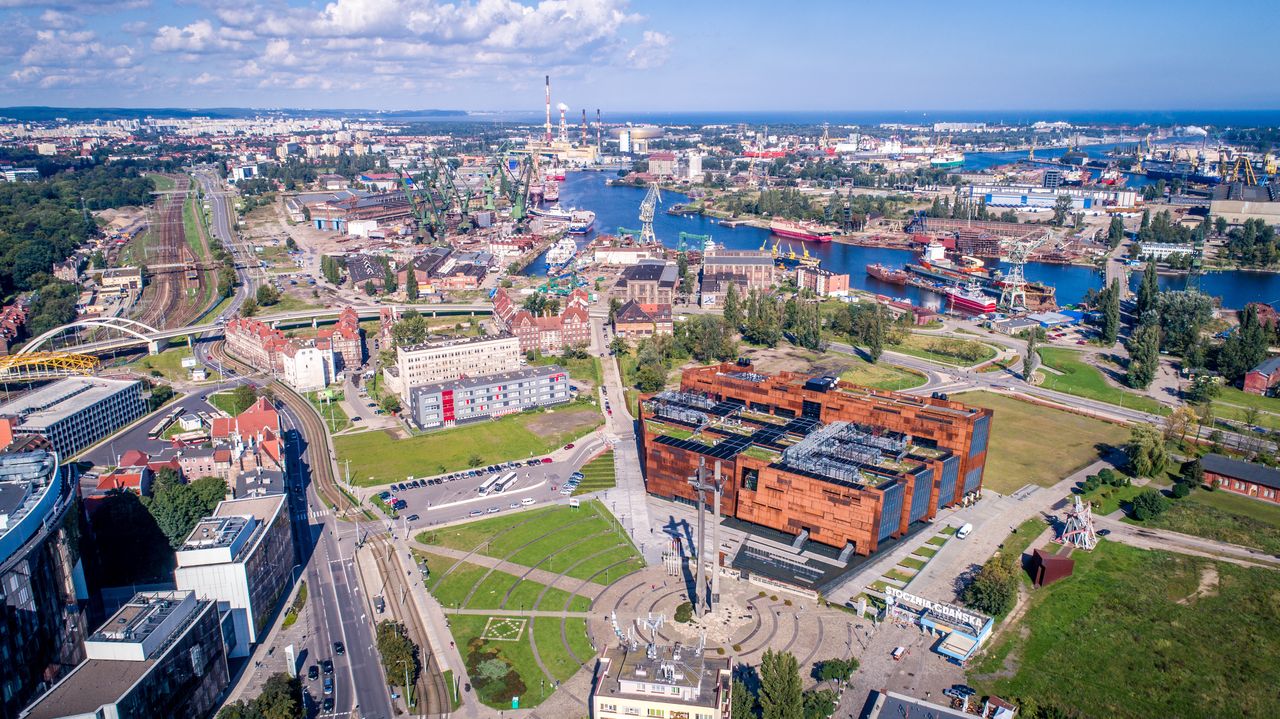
177 290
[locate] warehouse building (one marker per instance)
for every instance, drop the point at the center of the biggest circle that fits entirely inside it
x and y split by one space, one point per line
161 655
444 404
73 413
1240 477
1083 199
651 282
1238 202
811 464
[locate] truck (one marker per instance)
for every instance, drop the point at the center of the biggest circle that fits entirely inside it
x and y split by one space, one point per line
964 531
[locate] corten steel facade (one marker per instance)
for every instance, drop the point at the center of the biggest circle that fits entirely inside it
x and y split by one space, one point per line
943 460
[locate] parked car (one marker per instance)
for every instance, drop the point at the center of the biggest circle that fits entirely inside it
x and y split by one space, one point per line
492 510
327 666
339 649
327 706
413 517
328 685
313 672
527 501
546 460
475 513
569 446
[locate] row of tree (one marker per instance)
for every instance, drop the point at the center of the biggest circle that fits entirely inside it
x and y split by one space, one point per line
775 690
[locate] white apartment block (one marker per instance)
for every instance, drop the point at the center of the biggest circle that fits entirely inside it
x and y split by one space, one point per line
452 359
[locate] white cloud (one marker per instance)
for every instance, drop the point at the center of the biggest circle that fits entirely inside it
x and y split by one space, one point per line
198 37
654 50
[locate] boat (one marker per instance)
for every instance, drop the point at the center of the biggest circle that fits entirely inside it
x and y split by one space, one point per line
806 231
970 298
562 251
581 221
885 274
551 192
555 212
947 160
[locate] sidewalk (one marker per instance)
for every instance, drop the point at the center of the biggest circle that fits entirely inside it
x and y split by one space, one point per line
591 590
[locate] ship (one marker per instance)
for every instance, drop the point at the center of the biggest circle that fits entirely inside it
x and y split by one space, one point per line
806 231
885 274
581 222
969 298
551 191
555 212
947 160
562 251
1179 170
936 274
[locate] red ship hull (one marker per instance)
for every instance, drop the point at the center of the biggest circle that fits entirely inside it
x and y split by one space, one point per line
799 235
976 306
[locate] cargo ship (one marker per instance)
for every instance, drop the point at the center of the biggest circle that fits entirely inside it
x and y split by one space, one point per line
555 212
1179 170
885 274
806 231
947 160
581 221
969 298
562 251
551 191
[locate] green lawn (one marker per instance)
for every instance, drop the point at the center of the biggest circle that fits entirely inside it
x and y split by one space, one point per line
493 589
522 676
598 474
1107 499
1038 445
331 412
1224 517
163 183
560 535
169 364
290 303
377 458
1231 404
946 350
1127 636
225 401
586 368
881 375
910 563
1084 380
546 634
192 229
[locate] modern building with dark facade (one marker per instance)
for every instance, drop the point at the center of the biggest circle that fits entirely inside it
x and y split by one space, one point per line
444 404
161 656
42 629
848 468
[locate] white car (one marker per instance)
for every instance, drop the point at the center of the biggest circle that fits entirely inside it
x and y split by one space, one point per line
527 501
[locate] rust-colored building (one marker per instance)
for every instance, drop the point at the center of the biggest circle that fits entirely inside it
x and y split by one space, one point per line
847 467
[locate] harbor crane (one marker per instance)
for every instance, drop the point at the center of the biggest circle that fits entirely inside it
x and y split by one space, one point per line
647 208
1013 286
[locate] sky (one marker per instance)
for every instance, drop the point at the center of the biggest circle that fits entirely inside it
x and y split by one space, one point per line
640 55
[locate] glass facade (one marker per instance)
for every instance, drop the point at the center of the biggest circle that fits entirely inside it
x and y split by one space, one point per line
950 473
187 678
920 494
268 572
891 513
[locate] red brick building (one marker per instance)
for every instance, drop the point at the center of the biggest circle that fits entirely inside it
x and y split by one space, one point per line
846 467
347 339
1262 378
823 283
1240 477
634 320
549 334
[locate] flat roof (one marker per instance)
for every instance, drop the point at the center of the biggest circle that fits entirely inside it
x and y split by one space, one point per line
94 683
670 665
485 380
453 342
214 532
55 402
263 509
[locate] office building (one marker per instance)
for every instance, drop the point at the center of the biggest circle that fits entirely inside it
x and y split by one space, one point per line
667 682
161 656
444 404
73 413
42 627
241 557
439 360
651 282
756 268
846 468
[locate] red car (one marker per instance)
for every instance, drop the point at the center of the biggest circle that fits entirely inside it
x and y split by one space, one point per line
546 460
569 446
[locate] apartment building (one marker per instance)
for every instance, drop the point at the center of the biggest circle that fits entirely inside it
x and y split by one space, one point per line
450 359
661 682
444 404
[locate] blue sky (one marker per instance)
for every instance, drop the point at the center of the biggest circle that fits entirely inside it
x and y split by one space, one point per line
623 55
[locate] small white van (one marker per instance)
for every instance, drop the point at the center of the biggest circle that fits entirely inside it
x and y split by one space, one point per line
963 532
527 501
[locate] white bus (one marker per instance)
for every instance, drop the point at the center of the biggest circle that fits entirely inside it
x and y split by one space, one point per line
488 484
505 483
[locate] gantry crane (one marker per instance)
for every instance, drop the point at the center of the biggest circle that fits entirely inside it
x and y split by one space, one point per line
647 208
1013 286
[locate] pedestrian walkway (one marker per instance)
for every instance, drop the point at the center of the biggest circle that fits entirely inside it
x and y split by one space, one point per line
591 590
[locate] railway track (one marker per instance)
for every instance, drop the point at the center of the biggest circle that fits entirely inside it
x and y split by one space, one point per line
431 683
172 294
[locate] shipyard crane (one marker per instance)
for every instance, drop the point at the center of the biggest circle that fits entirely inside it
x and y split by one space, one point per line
1013 287
701 241
647 208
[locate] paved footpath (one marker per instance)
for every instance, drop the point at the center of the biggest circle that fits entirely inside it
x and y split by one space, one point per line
591 590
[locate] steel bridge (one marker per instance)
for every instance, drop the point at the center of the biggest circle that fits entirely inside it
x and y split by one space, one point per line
32 366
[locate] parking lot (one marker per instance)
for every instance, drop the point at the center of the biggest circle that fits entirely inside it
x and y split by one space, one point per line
456 496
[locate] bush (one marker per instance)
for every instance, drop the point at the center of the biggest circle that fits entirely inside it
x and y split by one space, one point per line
1149 505
1180 490
684 613
995 586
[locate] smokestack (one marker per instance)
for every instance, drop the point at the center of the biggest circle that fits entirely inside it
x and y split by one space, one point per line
564 129
598 146
584 127
548 138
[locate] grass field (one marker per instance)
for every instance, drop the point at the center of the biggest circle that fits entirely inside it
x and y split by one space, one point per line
382 459
1231 404
586 369
1038 445
162 182
926 347
1108 499
225 401
169 364
493 590
882 375
1224 517
1130 635
193 229
1084 380
331 412
546 633
598 474
588 537
497 692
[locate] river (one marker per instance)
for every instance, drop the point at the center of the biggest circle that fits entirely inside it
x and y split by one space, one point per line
620 206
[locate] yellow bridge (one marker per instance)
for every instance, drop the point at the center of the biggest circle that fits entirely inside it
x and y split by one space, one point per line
46 365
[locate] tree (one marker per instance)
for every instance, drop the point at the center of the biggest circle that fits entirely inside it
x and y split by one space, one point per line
160 394
281 698
1146 220
249 308
764 319
1193 473
1061 209
389 403
389 284
615 304
1244 348
618 345
744 702
1220 225
177 507
1179 422
835 669
411 285
1032 360
994 587
1111 313
267 295
1144 356
242 397
1148 290
780 693
732 307
1149 504
410 330
331 270
98 260
1115 232
1146 451
1182 316
399 654
818 704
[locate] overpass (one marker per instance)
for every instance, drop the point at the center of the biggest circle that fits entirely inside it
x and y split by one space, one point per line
136 334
